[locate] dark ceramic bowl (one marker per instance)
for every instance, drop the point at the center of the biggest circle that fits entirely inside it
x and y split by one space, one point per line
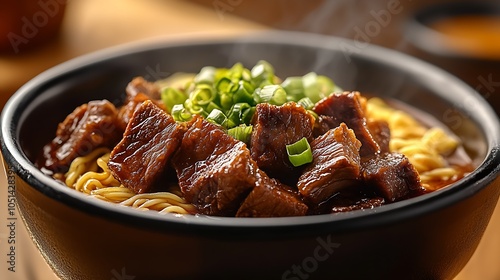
428 237
480 69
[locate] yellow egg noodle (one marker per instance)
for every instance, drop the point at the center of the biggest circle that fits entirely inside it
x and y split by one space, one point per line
90 174
426 149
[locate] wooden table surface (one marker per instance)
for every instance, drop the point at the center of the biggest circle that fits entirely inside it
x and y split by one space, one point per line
91 25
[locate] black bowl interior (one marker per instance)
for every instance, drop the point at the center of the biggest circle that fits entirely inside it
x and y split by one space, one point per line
31 116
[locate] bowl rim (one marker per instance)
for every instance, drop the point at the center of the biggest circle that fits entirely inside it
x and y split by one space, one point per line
486 172
423 37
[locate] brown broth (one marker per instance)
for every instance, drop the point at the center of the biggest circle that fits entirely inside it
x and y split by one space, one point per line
471 35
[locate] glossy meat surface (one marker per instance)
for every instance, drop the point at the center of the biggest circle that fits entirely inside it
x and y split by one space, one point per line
143 154
381 133
88 127
274 128
335 166
215 171
393 176
348 108
270 198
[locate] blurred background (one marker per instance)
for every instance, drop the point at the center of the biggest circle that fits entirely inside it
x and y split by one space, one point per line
461 37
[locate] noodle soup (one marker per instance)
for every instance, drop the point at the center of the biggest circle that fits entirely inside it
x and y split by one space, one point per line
269 139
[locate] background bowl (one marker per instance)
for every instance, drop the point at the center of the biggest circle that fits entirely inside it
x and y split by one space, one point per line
27 24
428 237
462 37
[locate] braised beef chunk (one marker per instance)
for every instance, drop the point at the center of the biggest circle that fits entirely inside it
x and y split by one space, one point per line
126 111
392 175
270 198
323 124
274 127
335 166
138 91
140 85
348 108
142 156
88 127
381 133
215 171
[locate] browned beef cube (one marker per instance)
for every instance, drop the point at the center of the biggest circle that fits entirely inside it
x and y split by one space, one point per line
381 133
215 171
335 166
143 154
126 111
392 175
88 127
138 90
347 107
140 85
270 198
323 124
274 127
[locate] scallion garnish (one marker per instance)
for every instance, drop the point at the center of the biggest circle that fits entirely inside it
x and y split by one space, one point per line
180 114
206 75
306 103
228 96
242 133
171 96
299 153
273 94
217 117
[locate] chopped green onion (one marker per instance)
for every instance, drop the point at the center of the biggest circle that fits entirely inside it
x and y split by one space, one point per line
192 108
228 96
179 80
326 85
217 117
235 114
248 115
226 100
206 75
273 94
316 87
212 106
180 114
311 112
294 88
236 72
225 85
244 93
202 95
262 72
306 103
242 133
299 153
171 96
